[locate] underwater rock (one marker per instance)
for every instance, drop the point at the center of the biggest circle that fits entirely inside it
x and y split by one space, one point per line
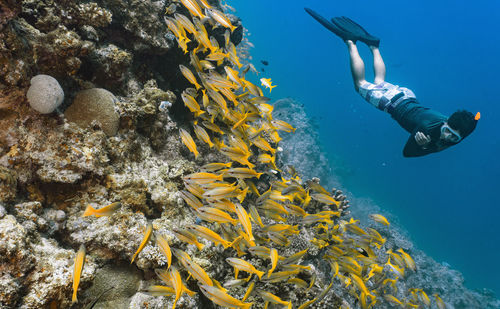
142 113
94 105
109 65
45 94
51 278
8 184
142 29
9 9
118 283
15 255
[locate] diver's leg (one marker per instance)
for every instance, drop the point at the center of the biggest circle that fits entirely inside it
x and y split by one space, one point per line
378 65
357 65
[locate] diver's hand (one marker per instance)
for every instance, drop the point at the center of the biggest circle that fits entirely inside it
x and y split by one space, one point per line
422 139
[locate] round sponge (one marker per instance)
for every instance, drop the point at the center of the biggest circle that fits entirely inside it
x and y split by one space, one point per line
45 94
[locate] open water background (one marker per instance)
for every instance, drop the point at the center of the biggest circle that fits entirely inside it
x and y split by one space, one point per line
447 53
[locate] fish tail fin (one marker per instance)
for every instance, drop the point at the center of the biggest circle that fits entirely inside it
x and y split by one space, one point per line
88 211
271 88
246 305
260 274
133 258
226 244
200 246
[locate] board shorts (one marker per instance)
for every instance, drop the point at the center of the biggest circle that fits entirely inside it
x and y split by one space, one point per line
385 96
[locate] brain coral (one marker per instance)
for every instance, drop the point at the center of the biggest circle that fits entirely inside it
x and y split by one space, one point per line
95 104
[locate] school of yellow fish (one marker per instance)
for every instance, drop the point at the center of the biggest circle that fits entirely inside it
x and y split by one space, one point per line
232 115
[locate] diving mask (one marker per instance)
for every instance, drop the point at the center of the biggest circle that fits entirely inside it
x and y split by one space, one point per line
453 136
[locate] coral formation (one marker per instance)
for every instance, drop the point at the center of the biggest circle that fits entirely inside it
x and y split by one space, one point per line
94 105
45 94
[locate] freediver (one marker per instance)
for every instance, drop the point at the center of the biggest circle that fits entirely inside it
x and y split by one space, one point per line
430 130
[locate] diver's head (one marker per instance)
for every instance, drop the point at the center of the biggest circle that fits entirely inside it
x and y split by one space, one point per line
460 124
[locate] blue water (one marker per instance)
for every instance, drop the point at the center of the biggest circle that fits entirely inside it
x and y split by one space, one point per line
446 52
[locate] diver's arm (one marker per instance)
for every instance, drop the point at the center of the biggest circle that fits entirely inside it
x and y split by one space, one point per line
412 147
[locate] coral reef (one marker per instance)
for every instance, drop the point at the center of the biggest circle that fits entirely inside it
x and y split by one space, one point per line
121 58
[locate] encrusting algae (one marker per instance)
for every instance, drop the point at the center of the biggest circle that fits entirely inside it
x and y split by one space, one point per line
256 219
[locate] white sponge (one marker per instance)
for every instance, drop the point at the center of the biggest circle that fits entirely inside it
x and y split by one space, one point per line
45 94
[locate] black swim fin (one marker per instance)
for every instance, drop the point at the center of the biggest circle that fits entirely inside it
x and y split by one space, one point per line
348 25
344 35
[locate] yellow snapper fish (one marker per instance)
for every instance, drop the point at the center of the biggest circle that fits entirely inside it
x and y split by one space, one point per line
221 192
283 126
254 214
380 219
185 22
439 302
166 276
393 300
269 297
408 260
188 142
266 82
212 167
244 220
211 214
233 76
77 271
227 38
203 135
191 199
195 61
223 204
181 255
221 18
254 90
101 212
172 26
273 255
249 291
216 56
202 178
189 76
193 8
308 303
160 290
243 265
233 55
197 272
260 251
176 281
424 297
191 104
208 234
235 283
147 236
223 299
164 248
324 198
241 172
188 237
219 99
212 127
